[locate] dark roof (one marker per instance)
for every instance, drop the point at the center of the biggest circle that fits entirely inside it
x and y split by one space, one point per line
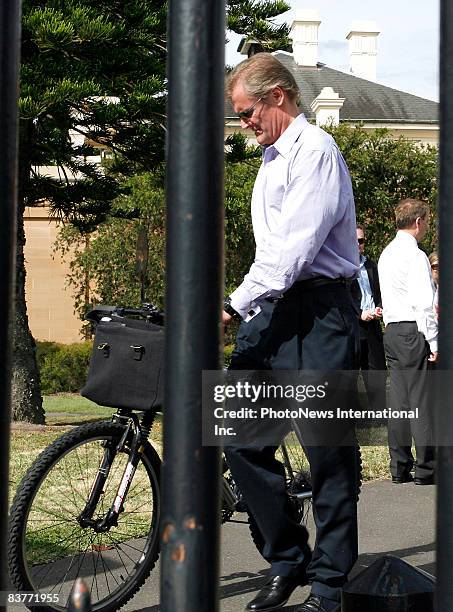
364 100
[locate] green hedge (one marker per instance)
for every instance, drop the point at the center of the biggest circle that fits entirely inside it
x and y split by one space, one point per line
63 367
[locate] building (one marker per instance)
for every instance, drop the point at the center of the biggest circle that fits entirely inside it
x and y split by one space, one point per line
330 95
50 304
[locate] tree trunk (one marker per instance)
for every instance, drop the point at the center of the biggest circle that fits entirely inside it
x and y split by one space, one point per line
26 392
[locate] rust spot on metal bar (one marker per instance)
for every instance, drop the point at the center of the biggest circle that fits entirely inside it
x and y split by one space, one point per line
167 533
191 523
179 554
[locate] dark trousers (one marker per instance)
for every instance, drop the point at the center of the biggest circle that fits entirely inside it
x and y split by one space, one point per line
407 355
313 329
372 364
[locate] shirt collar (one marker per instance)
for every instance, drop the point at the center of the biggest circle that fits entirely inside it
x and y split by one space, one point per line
362 259
402 235
286 141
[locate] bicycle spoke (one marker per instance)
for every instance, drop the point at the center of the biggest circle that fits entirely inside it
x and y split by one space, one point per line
125 543
119 554
49 566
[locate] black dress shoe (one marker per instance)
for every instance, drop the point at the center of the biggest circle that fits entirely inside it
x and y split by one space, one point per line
402 479
424 481
314 603
274 594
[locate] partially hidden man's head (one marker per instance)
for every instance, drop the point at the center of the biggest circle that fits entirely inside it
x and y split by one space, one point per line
265 95
413 215
360 238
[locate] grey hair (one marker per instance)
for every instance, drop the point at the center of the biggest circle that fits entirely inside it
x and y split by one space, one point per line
259 74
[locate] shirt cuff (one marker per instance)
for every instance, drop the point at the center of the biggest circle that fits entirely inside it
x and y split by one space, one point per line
243 305
433 345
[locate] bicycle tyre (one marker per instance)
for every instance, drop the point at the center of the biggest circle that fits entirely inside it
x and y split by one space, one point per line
45 557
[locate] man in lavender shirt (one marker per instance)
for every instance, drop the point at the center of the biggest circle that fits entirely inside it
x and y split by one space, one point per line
297 314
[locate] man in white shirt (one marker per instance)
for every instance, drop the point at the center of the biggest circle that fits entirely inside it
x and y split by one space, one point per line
410 342
297 314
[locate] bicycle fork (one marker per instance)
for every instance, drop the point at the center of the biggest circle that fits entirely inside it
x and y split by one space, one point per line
110 519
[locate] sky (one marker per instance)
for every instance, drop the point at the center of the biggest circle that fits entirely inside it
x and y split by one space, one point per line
408 45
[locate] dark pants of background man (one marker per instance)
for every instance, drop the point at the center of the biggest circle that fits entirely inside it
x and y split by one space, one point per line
407 355
312 328
372 363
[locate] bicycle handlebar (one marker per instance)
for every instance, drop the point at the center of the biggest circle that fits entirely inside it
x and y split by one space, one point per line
148 311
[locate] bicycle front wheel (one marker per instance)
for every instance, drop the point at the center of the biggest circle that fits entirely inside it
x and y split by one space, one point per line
48 548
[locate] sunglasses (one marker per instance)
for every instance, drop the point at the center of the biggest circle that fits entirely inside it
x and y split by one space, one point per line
360 240
248 112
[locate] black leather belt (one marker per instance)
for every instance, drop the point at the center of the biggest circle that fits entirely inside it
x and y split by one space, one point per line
401 323
314 283
321 281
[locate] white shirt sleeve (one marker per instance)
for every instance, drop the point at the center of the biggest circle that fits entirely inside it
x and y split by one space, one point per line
421 293
310 208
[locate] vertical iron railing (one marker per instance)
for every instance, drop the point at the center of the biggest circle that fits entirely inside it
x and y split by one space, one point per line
190 522
9 89
444 594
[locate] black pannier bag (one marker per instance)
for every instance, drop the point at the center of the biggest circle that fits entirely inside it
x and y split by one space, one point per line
126 366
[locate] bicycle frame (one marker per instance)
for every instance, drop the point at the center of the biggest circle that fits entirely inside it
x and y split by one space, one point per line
139 435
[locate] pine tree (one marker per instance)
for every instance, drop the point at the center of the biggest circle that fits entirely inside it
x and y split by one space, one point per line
93 75
255 19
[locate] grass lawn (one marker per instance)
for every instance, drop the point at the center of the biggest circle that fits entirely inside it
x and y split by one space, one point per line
72 409
66 410
63 411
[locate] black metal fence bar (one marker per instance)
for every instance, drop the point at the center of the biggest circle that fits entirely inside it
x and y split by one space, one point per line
190 523
9 78
444 594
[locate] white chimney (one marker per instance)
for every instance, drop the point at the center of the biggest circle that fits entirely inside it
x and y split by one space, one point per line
326 107
304 34
363 49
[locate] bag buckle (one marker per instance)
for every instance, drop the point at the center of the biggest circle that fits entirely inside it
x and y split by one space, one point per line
105 348
138 352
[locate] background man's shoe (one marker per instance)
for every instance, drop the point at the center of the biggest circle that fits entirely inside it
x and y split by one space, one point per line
314 603
274 594
424 481
402 479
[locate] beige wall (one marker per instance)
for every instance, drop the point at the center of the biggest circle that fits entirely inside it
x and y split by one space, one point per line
49 303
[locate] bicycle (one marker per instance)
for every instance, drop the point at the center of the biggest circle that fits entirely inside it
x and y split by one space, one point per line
90 505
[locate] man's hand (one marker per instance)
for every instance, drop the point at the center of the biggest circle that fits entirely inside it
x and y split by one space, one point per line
433 357
367 315
226 318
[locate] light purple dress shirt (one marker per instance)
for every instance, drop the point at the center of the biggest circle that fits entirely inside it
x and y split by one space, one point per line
303 216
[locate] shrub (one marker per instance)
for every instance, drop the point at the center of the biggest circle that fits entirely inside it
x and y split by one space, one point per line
63 367
44 350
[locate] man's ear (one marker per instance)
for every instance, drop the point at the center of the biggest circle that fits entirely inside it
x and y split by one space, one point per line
278 95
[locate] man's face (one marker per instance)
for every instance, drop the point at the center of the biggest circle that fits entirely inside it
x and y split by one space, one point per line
267 119
360 240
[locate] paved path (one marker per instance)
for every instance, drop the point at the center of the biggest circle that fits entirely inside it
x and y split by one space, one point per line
396 519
